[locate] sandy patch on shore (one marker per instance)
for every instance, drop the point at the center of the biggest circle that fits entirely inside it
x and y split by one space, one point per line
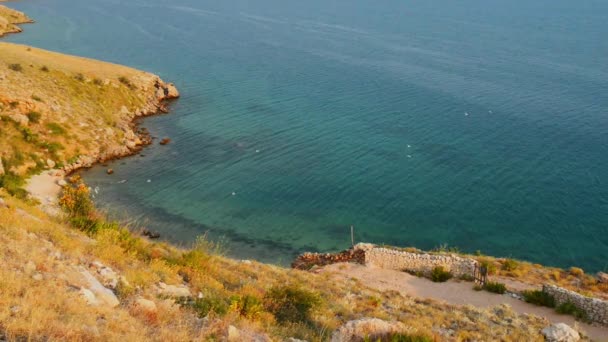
44 187
452 292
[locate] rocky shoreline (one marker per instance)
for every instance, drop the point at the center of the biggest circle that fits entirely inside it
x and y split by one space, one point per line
10 18
135 138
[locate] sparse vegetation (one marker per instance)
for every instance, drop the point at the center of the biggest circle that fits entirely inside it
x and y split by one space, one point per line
34 117
569 308
510 265
79 77
440 275
291 303
55 128
495 287
44 68
15 67
539 297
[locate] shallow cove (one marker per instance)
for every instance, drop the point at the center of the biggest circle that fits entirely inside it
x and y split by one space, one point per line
478 124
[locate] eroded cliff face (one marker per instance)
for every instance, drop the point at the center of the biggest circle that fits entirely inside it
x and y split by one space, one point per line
67 112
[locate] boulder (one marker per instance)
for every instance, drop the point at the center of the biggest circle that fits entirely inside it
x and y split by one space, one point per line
103 295
50 163
367 328
560 332
171 91
173 290
233 334
602 277
145 304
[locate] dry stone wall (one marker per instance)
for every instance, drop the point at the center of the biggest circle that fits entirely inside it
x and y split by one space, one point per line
419 262
595 309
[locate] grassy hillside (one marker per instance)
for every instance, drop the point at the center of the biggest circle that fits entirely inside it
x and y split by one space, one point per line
40 257
58 110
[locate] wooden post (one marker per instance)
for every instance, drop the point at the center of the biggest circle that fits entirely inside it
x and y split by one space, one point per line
352 236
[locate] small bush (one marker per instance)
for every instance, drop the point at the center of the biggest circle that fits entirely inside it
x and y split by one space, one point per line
79 77
495 287
44 68
291 303
440 275
77 202
539 297
477 287
577 272
13 185
209 303
510 265
568 308
37 98
34 117
55 128
247 306
97 82
15 67
126 82
28 135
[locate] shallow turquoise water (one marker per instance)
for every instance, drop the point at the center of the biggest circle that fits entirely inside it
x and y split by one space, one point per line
480 124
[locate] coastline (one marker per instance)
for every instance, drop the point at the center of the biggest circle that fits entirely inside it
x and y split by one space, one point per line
10 26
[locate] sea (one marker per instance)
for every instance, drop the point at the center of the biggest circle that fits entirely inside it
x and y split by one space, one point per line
476 125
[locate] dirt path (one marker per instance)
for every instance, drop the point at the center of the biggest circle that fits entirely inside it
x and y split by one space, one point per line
453 292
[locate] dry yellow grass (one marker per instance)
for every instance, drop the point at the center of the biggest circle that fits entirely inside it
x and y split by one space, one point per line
51 308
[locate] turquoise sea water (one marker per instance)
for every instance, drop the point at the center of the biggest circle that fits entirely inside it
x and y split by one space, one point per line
482 124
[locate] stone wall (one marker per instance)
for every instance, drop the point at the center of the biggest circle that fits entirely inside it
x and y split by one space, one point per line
595 309
419 262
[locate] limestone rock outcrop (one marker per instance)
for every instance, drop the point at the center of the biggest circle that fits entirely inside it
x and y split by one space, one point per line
560 332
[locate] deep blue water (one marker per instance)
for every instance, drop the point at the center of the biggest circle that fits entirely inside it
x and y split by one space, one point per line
482 124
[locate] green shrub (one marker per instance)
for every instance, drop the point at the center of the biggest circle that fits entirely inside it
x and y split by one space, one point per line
28 135
440 275
539 297
495 287
291 303
56 128
15 67
34 117
568 308
510 265
247 306
13 185
207 304
77 202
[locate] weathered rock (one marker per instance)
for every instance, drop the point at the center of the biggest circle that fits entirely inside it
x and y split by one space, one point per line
62 182
560 332
173 290
110 171
165 141
233 334
50 163
29 267
109 278
171 92
1 168
145 305
103 295
3 204
89 296
20 119
370 328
